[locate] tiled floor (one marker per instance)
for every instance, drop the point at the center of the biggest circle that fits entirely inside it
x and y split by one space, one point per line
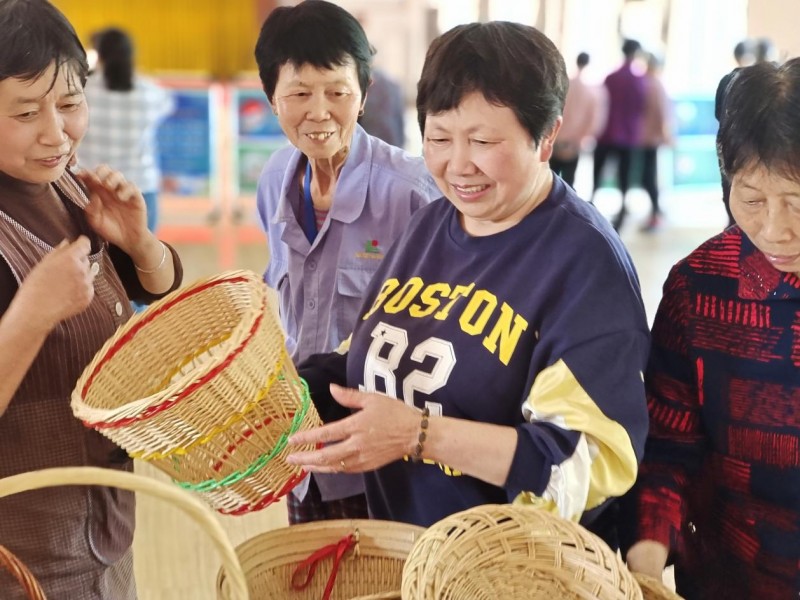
174 560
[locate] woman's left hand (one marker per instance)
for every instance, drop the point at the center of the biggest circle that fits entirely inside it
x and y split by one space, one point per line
116 210
382 430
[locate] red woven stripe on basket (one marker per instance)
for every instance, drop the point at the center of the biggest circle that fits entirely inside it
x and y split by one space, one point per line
153 410
268 499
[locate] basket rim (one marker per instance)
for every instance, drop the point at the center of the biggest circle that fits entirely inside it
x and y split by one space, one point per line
10 563
178 390
334 529
192 507
370 532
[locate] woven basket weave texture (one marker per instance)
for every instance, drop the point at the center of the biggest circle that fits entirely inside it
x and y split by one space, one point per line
21 573
200 385
652 589
372 570
514 553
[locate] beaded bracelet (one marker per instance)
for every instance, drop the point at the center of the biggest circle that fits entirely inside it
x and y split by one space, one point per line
160 264
423 428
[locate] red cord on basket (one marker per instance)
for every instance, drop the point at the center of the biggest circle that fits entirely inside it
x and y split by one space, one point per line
338 550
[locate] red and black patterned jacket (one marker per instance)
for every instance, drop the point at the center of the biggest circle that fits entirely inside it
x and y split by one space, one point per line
720 482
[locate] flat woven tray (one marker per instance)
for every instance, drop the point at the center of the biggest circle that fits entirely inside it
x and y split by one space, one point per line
370 566
190 505
200 385
514 553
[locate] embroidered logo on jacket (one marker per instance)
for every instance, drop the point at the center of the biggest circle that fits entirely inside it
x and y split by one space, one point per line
372 250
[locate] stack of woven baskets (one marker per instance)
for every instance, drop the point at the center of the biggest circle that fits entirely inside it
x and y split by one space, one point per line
200 385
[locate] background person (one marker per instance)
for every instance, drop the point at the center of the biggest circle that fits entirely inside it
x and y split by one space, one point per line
126 110
331 204
68 266
385 110
484 313
621 136
580 115
718 490
656 132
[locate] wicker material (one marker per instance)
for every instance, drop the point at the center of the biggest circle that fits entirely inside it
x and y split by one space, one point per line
21 573
372 569
200 385
652 589
193 508
511 552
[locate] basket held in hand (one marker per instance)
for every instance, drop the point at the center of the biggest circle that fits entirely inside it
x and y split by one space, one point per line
514 553
195 509
21 573
370 564
201 386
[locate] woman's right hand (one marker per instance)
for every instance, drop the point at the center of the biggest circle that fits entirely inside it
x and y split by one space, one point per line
648 557
60 286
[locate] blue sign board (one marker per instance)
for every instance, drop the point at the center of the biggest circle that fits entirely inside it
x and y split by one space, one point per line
185 143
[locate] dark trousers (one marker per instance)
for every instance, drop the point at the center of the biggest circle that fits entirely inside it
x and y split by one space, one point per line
565 168
313 508
624 157
650 176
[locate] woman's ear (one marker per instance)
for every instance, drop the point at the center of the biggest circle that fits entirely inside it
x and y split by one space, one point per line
546 145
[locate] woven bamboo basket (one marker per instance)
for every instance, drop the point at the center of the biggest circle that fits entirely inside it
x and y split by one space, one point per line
193 508
21 573
652 589
372 555
200 385
514 553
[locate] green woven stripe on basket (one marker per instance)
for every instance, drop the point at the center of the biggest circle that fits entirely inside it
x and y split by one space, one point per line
261 461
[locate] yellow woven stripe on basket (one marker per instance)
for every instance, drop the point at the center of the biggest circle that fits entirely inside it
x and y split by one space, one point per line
261 461
230 422
200 351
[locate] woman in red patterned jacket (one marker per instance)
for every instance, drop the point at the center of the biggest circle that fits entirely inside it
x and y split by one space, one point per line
719 489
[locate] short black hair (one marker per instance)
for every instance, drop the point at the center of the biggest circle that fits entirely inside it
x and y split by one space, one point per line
316 33
763 49
760 124
583 60
35 34
742 49
510 64
115 50
630 48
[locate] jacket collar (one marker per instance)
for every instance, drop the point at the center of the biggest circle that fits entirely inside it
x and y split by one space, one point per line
351 187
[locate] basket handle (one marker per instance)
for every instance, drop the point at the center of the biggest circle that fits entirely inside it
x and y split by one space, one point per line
309 565
21 573
196 510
